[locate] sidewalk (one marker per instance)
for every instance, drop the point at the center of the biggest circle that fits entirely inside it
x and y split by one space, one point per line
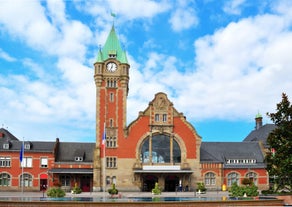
123 194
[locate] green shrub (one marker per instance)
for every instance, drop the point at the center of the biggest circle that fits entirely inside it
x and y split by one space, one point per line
251 190
201 187
113 190
156 190
76 189
236 190
55 192
239 191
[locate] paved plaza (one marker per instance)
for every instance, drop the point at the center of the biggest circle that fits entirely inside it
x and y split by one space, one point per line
122 194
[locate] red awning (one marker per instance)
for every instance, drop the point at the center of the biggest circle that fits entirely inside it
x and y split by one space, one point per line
44 176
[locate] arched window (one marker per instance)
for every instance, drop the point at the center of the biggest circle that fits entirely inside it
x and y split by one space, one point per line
156 117
232 178
5 179
27 180
108 180
252 177
210 179
164 150
114 179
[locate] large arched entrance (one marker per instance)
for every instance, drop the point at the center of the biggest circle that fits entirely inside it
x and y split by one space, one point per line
149 182
171 183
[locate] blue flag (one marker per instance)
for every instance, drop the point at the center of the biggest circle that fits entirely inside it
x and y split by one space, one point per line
21 152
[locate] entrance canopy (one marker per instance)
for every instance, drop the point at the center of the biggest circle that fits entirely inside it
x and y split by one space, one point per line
44 176
162 169
71 171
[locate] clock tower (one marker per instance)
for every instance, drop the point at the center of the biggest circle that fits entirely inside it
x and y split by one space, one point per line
111 75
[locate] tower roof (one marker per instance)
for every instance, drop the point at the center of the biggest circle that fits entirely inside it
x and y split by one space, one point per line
112 48
258 115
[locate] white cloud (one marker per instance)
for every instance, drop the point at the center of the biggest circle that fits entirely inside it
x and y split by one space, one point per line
184 16
56 11
242 68
6 56
132 9
40 97
233 6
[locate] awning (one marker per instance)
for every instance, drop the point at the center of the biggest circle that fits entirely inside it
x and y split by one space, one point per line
43 176
165 171
71 171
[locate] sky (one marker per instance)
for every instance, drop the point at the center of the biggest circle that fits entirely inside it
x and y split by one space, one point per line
219 62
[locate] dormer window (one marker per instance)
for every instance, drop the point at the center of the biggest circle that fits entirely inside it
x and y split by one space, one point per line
79 155
241 161
78 159
27 146
112 54
6 146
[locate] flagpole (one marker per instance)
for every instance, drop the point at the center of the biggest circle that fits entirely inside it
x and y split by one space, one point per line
104 144
22 156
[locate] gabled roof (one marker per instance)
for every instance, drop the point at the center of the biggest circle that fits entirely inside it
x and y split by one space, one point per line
35 146
15 144
260 134
220 152
5 134
67 151
112 46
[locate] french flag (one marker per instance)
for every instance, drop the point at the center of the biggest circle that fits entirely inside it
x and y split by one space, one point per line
103 139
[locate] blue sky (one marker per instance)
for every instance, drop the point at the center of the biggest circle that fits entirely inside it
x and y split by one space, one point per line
220 62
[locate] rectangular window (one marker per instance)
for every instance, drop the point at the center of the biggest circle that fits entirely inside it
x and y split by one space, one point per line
112 97
26 162
111 162
5 161
164 118
111 142
44 162
65 180
156 117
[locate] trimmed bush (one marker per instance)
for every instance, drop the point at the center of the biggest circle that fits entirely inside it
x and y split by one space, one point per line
156 190
76 189
113 190
239 191
201 187
55 192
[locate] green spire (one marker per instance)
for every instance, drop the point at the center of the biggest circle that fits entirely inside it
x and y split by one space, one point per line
112 49
99 56
258 115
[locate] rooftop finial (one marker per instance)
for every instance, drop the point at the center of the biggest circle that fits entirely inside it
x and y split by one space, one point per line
114 16
259 120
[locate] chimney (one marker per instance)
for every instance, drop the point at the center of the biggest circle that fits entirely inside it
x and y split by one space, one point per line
258 121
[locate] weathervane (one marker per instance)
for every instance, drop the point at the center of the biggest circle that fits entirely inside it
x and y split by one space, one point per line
114 16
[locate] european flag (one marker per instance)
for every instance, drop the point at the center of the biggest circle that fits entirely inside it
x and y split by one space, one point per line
21 152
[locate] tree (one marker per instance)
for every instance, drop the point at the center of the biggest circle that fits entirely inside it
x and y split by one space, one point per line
279 159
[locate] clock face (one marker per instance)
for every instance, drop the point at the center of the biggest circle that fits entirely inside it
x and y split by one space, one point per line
111 67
